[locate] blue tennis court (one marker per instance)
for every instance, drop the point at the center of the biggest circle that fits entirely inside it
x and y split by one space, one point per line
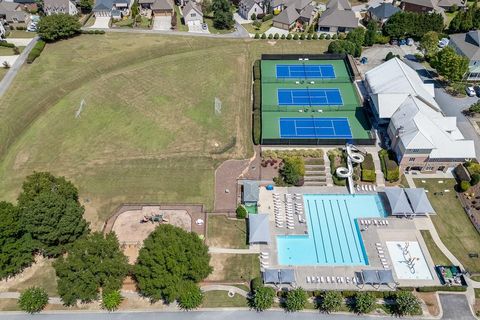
308 71
319 128
309 97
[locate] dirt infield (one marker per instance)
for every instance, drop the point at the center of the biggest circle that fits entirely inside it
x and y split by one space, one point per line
131 231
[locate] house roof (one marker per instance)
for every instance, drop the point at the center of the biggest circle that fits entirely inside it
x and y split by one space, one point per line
419 126
162 5
423 3
286 276
56 3
391 82
8 6
307 12
191 6
398 201
287 16
102 5
298 4
419 201
339 4
250 191
334 17
383 11
248 4
449 3
258 228
467 43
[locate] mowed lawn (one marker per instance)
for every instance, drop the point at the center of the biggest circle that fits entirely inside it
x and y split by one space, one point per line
452 224
147 132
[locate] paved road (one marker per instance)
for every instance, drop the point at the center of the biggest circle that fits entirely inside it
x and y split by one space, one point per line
455 306
12 72
197 315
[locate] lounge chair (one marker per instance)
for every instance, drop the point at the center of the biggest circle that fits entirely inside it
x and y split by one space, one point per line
374 188
333 279
386 221
341 279
381 256
327 279
290 227
378 244
347 280
354 280
318 279
321 279
308 279
358 187
383 260
380 251
363 187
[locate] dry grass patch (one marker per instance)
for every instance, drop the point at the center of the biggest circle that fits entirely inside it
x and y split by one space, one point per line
226 233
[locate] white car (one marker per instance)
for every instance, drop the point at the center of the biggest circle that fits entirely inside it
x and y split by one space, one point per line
470 91
443 43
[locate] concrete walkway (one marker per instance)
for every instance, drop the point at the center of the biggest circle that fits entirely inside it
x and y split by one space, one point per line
220 287
12 72
16 295
234 251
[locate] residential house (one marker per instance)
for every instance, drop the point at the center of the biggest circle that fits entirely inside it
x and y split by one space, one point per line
247 8
115 9
192 14
382 12
59 6
428 6
158 7
338 17
11 12
296 14
423 138
468 45
449 4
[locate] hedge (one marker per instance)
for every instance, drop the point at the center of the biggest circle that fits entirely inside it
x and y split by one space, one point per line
389 165
257 75
368 169
336 180
92 31
7 44
257 95
442 288
256 127
267 17
36 51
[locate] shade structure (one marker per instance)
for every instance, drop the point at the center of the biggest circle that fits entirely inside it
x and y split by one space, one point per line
276 276
370 277
377 277
385 277
419 201
398 201
250 191
258 228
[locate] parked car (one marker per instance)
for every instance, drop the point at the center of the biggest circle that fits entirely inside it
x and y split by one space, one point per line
443 43
470 91
394 42
410 42
402 42
477 90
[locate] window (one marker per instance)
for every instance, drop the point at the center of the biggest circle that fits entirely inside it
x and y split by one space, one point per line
193 15
411 160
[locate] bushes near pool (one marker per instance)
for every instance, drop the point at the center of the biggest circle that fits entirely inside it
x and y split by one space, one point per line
368 169
390 167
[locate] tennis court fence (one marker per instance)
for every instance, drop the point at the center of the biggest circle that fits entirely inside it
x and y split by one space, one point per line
317 142
298 81
308 108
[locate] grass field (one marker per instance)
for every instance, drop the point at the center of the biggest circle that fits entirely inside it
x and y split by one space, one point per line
437 255
21 34
452 224
263 28
219 299
148 131
3 72
227 233
234 268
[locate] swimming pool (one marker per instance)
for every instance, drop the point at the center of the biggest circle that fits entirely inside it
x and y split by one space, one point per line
333 234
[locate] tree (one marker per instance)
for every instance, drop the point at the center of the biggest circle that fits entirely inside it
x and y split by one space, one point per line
206 6
169 257
253 17
429 44
51 213
293 170
390 56
190 296
411 24
222 14
263 298
241 212
464 186
331 301
357 36
86 5
450 64
475 107
371 33
17 246
365 302
406 303
93 263
342 46
111 300
134 10
296 300
33 300
58 26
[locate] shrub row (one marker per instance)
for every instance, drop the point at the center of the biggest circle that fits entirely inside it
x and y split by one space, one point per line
295 36
368 169
257 95
7 44
442 288
36 51
257 75
389 165
93 31
281 154
256 126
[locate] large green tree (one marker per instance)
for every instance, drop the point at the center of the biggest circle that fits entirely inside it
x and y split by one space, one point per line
429 44
58 26
93 264
344 46
86 5
17 246
411 24
371 33
331 301
263 298
222 14
169 257
51 213
450 64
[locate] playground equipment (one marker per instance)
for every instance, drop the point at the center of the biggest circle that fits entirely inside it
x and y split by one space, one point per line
154 218
352 157
409 260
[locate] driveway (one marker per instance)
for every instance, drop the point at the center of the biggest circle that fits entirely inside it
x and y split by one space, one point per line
455 306
162 23
196 27
101 23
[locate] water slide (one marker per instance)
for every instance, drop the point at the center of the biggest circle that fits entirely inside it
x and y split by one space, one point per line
352 157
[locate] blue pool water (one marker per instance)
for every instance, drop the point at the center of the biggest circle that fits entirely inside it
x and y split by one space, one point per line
333 233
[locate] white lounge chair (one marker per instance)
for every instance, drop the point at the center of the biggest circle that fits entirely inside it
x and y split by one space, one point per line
383 259
378 244
290 227
354 280
381 256
321 279
374 188
363 187
333 279
341 280
327 279
380 251
386 221
347 280
308 279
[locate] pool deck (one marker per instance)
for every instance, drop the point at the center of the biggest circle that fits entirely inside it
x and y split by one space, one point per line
398 229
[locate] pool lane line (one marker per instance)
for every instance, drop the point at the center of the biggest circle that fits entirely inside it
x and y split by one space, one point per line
329 233
321 232
336 230
313 231
354 231
345 231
